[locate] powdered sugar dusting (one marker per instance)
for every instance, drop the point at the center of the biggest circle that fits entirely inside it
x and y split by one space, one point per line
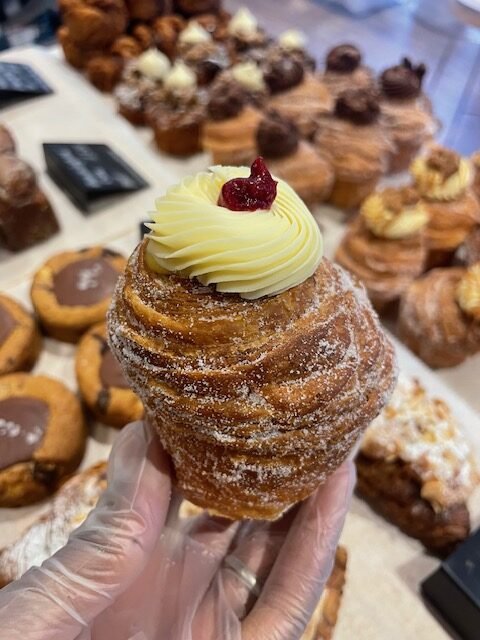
256 401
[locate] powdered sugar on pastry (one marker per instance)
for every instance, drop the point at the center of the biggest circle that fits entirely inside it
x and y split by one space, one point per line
69 509
421 430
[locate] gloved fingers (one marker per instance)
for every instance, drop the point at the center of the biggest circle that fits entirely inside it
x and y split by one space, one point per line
104 556
252 555
304 564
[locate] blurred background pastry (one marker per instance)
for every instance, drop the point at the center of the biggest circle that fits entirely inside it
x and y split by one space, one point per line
297 93
229 131
416 468
26 216
406 112
42 437
177 114
294 160
354 141
72 290
344 70
443 179
20 340
102 385
439 316
384 246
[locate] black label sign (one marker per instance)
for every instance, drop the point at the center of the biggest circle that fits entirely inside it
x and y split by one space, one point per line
19 81
89 172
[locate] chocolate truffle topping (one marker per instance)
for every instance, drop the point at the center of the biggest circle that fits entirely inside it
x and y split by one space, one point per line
358 106
85 282
403 80
23 421
227 100
283 72
344 59
111 374
445 161
277 137
7 324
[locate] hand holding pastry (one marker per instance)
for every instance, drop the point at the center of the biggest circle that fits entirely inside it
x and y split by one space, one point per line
258 361
235 581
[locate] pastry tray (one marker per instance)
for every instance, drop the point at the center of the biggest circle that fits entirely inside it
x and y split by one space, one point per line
385 567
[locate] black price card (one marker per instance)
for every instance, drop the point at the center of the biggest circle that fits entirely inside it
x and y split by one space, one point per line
19 81
89 173
454 589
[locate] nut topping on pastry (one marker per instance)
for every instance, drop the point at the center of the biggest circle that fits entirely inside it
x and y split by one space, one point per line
258 191
468 292
394 213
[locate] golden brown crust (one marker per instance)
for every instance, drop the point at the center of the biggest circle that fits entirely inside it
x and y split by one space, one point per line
309 174
104 72
68 323
231 142
61 449
451 221
166 30
257 402
112 405
304 103
386 267
431 322
94 23
21 347
46 535
74 54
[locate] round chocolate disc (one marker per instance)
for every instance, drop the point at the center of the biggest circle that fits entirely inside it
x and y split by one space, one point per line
7 323
85 282
23 421
111 374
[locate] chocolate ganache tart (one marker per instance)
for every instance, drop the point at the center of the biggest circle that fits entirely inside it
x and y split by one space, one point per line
259 362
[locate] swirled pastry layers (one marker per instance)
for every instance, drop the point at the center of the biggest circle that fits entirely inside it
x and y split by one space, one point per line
258 401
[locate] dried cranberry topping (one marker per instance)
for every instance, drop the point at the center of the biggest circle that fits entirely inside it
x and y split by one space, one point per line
258 191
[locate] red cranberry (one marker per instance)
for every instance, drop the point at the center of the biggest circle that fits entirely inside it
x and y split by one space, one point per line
258 191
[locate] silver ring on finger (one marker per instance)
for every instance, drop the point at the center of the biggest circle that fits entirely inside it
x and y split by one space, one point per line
242 572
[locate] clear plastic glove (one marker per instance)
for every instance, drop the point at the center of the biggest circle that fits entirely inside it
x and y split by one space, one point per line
135 570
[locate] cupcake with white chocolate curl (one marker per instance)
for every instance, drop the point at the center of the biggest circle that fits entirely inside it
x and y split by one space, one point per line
259 362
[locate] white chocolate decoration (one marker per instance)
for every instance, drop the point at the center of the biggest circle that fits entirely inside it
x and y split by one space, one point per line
249 75
180 77
153 64
194 34
293 39
243 23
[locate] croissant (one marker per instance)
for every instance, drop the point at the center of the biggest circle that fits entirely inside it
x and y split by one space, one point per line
258 401
432 322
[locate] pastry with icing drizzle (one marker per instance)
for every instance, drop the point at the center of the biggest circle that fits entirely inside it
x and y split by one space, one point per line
258 361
